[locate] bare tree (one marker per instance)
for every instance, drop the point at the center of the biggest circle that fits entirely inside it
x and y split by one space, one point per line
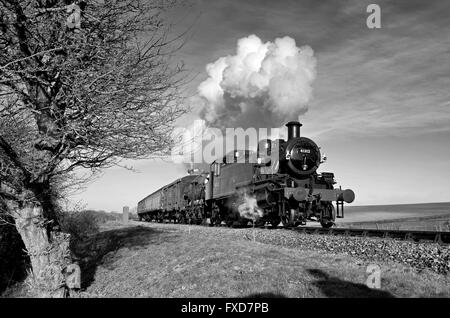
82 84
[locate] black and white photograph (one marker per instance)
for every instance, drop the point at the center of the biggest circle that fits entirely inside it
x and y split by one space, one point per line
226 156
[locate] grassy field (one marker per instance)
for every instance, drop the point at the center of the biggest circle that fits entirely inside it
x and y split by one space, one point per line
425 223
166 260
427 216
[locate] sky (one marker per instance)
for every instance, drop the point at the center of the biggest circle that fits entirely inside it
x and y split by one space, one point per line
380 106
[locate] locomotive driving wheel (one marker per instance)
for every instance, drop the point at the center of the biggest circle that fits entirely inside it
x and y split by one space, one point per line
260 222
326 224
274 222
327 217
286 219
215 215
229 222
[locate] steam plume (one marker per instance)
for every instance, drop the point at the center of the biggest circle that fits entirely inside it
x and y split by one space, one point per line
249 208
263 85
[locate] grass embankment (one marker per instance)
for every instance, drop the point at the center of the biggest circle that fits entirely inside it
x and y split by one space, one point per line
166 260
157 260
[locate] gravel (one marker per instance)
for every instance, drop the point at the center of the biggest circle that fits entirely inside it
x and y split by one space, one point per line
418 255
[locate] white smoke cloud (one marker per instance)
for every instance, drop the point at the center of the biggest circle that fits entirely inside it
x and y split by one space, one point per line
263 85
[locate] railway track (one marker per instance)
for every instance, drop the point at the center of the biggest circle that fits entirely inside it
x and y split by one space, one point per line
442 238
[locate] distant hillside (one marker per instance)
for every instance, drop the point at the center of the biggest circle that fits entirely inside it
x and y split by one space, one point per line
377 213
417 207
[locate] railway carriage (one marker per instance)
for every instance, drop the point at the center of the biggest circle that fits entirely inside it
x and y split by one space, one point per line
167 203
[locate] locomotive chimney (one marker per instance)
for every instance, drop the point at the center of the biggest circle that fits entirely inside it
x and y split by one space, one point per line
293 129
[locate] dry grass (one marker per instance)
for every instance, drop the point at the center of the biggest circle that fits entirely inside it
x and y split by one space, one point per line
161 260
180 261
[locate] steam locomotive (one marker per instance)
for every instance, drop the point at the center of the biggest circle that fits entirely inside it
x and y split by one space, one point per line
278 183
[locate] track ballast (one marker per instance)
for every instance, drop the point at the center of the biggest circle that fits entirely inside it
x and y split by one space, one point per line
411 235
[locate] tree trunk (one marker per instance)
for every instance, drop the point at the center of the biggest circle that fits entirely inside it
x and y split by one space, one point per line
14 262
48 250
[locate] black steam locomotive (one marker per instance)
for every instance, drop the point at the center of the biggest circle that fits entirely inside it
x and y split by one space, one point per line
279 183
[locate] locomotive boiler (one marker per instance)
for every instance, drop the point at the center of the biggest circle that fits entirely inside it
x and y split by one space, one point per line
278 183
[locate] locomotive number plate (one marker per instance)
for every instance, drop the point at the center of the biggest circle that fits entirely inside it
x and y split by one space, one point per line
305 150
